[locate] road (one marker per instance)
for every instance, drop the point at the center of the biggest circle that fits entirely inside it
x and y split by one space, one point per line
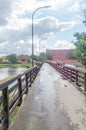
52 103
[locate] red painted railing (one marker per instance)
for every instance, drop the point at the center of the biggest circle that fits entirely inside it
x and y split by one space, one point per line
75 74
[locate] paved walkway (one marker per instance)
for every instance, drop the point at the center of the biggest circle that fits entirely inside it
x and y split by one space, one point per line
53 103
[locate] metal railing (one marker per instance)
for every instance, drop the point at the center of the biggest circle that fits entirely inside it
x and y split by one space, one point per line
75 74
12 92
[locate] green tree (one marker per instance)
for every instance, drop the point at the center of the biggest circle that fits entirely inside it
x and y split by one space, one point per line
34 57
29 60
1 59
70 54
80 44
49 57
42 56
13 58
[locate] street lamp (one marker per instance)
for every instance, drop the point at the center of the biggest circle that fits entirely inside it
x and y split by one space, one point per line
40 42
33 30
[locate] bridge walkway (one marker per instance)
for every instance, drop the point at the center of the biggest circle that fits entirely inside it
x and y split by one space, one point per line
52 103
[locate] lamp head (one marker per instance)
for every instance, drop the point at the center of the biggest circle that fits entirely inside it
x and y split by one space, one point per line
47 6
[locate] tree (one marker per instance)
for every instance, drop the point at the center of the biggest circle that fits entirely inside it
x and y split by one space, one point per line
80 44
42 56
49 57
13 58
1 59
29 60
34 57
70 54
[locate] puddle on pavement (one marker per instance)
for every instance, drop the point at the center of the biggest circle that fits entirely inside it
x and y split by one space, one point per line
65 85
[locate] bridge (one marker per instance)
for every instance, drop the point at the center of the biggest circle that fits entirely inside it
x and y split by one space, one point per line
50 96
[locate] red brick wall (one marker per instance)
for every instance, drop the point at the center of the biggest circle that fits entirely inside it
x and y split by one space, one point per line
61 56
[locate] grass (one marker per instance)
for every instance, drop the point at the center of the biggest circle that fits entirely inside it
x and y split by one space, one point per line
14 65
1 106
82 87
13 115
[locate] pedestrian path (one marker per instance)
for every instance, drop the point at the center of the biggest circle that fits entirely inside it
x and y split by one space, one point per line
52 103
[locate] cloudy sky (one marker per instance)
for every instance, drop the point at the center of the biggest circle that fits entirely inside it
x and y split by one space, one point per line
53 27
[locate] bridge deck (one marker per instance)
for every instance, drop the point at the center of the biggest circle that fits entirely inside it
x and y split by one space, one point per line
53 103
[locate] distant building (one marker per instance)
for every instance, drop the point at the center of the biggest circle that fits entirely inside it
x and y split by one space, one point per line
61 56
23 57
5 58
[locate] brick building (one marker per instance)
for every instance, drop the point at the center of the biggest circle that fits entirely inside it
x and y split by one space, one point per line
23 57
61 56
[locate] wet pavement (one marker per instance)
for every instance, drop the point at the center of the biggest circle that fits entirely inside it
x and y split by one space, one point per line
52 103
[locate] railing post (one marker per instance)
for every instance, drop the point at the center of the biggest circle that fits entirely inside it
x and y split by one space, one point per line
20 91
36 71
32 76
85 81
71 74
30 80
77 77
6 109
26 84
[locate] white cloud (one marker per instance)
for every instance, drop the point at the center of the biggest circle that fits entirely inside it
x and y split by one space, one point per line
57 4
15 23
67 25
20 47
75 7
22 6
44 26
19 37
5 11
63 44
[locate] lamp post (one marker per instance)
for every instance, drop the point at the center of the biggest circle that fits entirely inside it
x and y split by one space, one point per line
33 30
40 42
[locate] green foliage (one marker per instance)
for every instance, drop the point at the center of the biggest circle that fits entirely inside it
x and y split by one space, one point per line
45 56
42 57
13 115
1 59
13 58
29 60
15 65
70 54
49 57
34 57
80 44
